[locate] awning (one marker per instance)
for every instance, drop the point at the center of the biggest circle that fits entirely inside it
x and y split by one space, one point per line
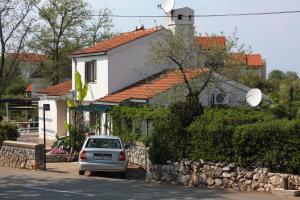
92 108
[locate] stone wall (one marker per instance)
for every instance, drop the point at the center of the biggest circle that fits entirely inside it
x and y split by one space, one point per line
22 155
221 175
137 154
55 158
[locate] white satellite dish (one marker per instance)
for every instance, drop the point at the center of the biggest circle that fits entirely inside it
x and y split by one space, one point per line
167 6
254 97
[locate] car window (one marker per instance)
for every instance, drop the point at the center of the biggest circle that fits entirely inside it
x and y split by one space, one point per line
103 143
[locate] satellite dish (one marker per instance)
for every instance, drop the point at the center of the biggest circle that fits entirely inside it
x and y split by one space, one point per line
254 97
167 6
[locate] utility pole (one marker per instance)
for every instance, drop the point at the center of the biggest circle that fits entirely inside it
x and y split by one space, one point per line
46 107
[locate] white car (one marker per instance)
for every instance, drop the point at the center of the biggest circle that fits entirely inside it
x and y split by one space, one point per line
103 153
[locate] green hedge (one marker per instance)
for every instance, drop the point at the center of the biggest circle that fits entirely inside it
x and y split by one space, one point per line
274 144
211 134
8 132
169 139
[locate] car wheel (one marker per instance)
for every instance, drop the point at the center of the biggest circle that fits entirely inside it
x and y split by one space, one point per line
81 172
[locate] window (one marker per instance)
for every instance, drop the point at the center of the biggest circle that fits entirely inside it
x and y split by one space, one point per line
90 71
103 143
180 17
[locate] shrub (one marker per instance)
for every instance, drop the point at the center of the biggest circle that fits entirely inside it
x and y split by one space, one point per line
274 144
8 132
170 140
211 134
128 122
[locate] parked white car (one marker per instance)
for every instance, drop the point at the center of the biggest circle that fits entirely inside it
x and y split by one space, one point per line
103 153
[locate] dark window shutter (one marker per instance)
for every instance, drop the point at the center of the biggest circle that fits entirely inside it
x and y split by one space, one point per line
95 70
86 72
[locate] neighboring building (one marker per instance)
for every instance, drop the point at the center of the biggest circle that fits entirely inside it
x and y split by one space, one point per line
256 63
251 61
30 65
117 74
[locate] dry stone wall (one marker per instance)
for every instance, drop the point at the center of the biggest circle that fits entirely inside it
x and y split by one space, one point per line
137 154
221 175
22 155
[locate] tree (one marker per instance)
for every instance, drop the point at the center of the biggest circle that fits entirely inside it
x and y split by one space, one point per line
16 22
276 75
101 27
183 52
62 21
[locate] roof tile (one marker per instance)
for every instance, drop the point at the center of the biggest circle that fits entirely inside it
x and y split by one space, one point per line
58 90
28 57
207 42
251 60
29 88
117 41
147 89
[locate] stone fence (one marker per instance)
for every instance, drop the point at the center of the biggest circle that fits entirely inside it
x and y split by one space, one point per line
137 154
221 175
22 155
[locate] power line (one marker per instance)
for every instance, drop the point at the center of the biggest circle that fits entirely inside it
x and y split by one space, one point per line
203 16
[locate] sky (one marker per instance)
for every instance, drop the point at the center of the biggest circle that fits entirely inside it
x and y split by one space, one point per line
276 37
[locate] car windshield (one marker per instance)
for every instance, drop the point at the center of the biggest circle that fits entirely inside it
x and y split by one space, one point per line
103 143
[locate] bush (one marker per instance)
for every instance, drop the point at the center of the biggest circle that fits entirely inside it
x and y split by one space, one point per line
274 144
211 134
170 140
8 132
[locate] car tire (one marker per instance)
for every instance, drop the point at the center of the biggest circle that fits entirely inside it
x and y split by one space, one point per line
81 172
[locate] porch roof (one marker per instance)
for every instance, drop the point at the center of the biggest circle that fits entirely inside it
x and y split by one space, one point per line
91 108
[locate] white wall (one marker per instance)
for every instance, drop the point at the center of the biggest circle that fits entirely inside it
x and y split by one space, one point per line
127 64
99 88
55 118
51 119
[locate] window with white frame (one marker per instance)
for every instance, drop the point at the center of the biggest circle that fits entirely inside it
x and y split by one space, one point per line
91 71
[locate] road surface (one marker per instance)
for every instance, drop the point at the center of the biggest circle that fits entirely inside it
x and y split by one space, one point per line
31 185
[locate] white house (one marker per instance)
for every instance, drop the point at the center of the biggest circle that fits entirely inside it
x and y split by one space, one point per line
117 74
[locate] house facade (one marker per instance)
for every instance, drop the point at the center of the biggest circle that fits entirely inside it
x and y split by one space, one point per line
117 73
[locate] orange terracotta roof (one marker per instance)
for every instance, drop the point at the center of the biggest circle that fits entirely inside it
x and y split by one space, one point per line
58 90
117 41
255 60
206 42
251 60
27 57
147 89
28 88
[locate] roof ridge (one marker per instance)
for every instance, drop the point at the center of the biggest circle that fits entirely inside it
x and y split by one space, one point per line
116 41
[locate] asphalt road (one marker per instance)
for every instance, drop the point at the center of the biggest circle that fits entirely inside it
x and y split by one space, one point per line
31 185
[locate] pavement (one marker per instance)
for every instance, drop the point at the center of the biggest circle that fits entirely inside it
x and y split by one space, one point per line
58 183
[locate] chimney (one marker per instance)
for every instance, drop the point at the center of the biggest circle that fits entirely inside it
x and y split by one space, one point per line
181 21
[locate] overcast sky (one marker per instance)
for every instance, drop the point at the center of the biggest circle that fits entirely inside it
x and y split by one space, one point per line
276 37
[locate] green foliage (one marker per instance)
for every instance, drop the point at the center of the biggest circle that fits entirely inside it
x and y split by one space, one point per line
170 140
80 88
290 110
76 136
211 134
283 87
276 75
274 144
8 132
128 122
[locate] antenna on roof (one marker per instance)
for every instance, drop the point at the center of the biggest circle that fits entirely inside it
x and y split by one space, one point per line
167 6
254 97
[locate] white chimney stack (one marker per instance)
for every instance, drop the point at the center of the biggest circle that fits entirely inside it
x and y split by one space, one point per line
182 20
